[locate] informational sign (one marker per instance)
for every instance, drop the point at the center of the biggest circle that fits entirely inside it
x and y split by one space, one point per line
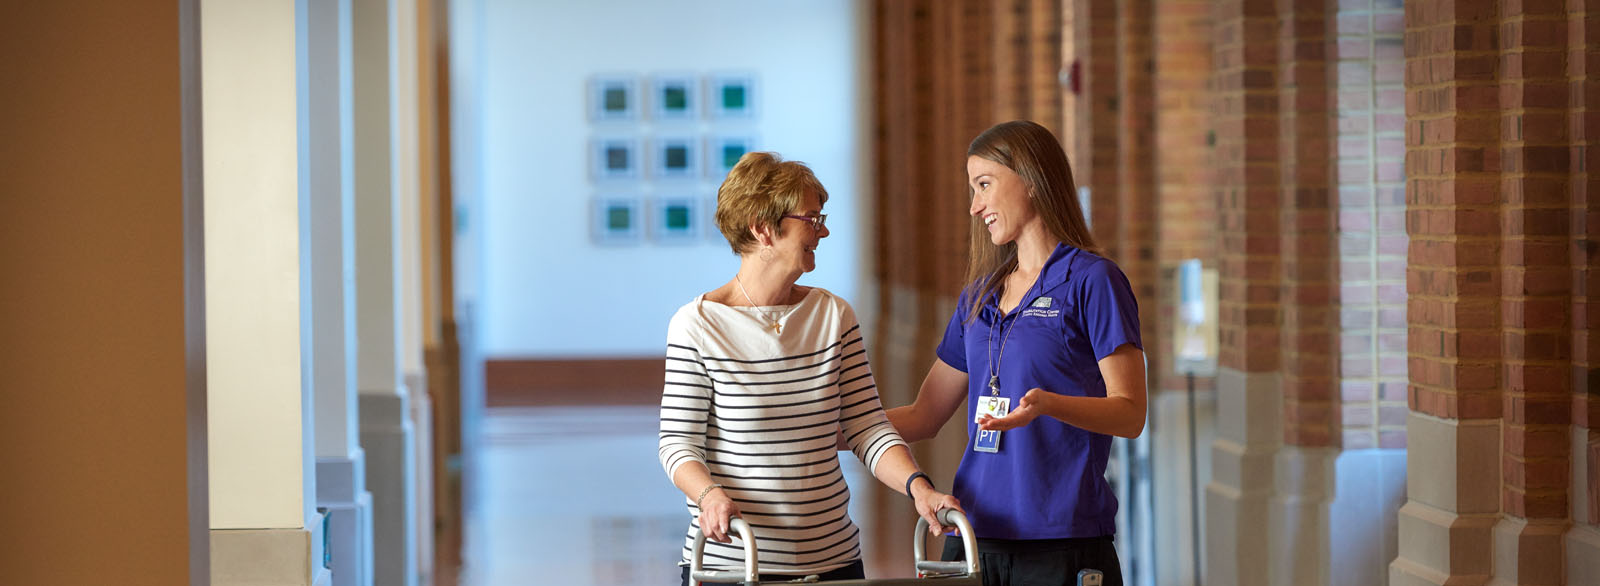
1194 326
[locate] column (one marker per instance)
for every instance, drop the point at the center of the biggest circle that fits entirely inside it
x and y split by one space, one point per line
1186 229
103 429
264 523
1453 216
1299 522
328 164
1249 390
387 433
408 183
1535 294
1582 540
1095 26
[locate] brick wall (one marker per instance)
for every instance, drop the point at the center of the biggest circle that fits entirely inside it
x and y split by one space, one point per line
1369 126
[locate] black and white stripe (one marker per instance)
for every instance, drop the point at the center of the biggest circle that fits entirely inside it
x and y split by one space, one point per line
763 412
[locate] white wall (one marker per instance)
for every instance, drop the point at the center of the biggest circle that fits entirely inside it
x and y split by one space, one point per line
546 289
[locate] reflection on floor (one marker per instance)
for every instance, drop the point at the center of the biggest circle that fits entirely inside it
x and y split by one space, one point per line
573 496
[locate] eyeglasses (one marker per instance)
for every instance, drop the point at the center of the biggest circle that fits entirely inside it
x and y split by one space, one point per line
817 222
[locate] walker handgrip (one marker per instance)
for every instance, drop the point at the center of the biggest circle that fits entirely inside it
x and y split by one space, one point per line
932 567
697 555
969 541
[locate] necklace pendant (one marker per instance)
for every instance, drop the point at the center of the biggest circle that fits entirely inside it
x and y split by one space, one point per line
994 384
777 328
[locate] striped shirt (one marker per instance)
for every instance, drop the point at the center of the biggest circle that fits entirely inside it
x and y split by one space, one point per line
762 412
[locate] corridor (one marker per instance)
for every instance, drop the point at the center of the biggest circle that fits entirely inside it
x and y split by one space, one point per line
573 495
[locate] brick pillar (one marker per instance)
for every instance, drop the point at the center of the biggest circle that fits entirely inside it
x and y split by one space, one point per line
1535 293
1299 517
1069 99
1453 279
1136 172
1044 64
1186 229
936 90
1010 53
1582 542
1094 34
904 41
1249 411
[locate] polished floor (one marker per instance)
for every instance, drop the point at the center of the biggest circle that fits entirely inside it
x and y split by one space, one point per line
575 496
572 496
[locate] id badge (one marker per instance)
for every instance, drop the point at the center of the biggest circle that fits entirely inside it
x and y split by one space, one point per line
989 440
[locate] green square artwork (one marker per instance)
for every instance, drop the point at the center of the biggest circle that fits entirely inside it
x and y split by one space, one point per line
731 154
675 98
677 157
733 97
616 99
619 218
677 218
616 159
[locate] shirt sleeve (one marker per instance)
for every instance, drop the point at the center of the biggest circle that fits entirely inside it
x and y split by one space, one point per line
1110 312
866 429
685 401
953 348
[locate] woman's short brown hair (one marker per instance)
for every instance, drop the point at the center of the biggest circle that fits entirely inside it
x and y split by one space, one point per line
758 192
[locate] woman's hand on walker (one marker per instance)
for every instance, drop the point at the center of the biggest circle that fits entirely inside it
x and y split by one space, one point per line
929 502
1032 405
716 513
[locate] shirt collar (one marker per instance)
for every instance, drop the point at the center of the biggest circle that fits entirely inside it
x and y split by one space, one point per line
1055 272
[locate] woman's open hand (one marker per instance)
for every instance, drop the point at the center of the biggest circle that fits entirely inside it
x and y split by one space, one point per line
1031 406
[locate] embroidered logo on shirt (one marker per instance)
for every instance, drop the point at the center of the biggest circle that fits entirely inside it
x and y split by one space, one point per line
1040 308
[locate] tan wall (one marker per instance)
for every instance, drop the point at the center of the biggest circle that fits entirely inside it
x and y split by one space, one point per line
93 434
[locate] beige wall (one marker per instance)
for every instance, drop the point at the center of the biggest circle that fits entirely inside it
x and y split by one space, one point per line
93 440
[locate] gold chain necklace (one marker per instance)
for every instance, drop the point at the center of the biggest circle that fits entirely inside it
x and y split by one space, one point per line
777 328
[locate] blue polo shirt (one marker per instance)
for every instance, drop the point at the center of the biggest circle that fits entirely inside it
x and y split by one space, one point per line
1048 479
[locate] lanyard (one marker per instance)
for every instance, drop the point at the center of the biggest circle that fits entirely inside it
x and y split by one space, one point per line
1005 334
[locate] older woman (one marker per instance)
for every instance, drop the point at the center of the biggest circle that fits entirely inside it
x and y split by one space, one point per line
763 378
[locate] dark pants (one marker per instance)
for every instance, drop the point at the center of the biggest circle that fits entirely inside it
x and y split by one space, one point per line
1053 562
854 571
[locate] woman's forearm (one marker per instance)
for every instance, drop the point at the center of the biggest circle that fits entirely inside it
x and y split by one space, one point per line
692 478
1118 416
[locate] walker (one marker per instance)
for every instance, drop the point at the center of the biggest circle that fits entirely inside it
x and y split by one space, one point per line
929 572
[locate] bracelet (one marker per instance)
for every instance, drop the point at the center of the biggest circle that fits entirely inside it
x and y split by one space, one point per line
914 477
703 493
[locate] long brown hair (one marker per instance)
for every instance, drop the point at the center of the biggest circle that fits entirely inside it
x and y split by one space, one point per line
1036 156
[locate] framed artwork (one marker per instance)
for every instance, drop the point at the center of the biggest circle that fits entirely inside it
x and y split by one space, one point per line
732 96
724 151
675 158
614 158
613 97
675 219
618 219
674 97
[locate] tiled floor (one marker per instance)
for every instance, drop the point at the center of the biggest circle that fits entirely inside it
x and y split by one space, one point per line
573 496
